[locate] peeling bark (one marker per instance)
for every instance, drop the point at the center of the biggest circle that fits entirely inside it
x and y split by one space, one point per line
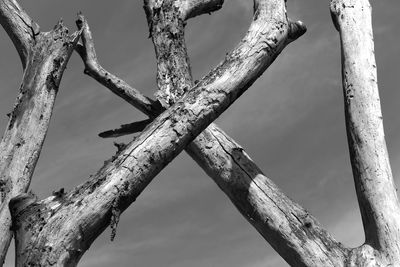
122 179
373 179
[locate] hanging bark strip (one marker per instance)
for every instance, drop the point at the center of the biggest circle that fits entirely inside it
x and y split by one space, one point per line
373 179
47 234
44 56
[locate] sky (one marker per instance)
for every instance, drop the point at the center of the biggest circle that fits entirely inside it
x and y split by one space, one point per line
291 123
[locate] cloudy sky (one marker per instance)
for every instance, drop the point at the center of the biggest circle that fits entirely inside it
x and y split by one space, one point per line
290 122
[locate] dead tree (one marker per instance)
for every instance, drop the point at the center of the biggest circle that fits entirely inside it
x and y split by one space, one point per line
180 118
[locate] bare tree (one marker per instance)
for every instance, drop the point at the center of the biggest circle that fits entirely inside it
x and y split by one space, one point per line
181 118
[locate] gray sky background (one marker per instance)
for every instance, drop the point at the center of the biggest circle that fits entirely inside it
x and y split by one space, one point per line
290 122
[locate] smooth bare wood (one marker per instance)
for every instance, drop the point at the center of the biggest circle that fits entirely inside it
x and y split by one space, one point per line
100 200
373 179
192 8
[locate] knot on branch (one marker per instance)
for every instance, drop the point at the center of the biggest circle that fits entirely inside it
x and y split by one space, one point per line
18 204
296 29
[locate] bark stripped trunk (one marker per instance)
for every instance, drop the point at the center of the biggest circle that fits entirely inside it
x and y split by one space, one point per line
46 234
373 179
44 56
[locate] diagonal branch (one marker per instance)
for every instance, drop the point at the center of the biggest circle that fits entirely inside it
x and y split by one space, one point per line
102 198
374 184
256 196
115 84
21 29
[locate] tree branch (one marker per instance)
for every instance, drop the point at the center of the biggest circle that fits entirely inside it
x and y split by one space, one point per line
134 127
120 181
374 184
21 29
193 8
115 84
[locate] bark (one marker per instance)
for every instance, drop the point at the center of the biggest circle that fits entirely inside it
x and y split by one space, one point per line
373 179
45 232
44 56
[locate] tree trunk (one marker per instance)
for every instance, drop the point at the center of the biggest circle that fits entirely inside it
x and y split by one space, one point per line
44 56
373 179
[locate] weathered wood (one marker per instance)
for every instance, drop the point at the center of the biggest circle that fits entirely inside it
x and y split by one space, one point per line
95 204
192 8
92 68
19 26
373 179
44 56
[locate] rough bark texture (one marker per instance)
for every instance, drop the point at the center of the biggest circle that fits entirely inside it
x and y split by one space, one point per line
374 183
44 56
44 224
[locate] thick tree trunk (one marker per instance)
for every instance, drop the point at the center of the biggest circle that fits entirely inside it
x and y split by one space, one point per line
47 234
44 57
373 179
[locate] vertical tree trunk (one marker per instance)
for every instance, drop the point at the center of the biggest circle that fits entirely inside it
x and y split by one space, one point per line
373 179
44 57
